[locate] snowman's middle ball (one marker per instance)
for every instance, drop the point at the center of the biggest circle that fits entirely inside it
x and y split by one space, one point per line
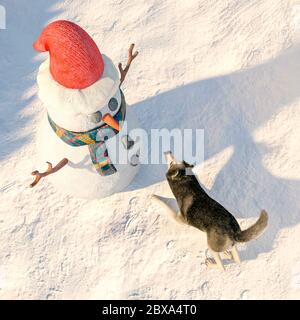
82 111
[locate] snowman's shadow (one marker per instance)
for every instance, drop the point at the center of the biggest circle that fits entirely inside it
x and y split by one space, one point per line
18 64
230 108
84 163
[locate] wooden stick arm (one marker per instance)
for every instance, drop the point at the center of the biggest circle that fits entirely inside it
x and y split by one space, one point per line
39 175
131 57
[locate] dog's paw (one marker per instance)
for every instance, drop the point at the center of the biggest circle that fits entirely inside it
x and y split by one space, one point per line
155 198
211 263
228 255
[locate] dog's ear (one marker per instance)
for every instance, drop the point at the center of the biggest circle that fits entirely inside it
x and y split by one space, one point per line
175 174
187 165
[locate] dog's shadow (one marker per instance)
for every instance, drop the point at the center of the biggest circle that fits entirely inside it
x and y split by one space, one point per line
231 109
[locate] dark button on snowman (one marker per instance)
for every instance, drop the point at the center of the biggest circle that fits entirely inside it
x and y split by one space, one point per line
80 88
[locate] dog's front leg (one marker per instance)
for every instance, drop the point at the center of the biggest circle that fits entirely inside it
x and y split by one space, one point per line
235 255
166 204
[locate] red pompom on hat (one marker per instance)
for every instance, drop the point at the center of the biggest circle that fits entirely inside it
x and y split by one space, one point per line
75 60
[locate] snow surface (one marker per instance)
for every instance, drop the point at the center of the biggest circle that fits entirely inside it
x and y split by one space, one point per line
230 67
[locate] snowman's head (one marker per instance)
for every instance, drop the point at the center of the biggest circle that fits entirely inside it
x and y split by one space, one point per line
78 85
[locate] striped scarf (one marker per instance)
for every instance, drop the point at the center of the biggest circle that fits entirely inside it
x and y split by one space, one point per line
95 139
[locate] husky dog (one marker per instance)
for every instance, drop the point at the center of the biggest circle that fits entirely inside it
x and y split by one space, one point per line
199 210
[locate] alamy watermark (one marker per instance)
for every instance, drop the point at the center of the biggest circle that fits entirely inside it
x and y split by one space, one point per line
295 17
2 17
144 147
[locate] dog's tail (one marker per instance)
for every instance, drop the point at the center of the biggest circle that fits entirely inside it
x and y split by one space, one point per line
255 230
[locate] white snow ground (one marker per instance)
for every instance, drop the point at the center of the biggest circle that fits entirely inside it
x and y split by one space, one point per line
230 67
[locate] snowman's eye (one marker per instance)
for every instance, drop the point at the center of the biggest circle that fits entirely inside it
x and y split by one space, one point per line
113 104
96 116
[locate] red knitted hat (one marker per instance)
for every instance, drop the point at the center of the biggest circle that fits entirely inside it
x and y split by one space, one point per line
75 60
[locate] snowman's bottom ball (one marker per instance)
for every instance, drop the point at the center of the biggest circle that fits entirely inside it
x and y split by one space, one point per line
79 177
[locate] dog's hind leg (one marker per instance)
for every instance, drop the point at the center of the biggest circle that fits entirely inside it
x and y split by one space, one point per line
228 255
216 262
166 204
235 255
232 254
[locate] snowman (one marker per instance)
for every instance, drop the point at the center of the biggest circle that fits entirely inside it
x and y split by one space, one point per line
86 113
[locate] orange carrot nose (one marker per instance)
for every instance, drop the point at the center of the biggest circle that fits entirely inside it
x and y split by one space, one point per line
108 119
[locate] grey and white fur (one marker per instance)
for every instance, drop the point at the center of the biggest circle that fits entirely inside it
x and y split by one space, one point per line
198 209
